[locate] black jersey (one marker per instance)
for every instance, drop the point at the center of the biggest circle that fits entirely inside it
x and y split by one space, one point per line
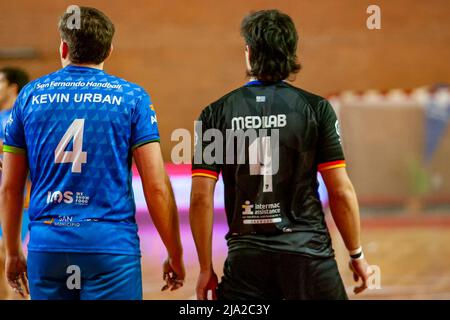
269 141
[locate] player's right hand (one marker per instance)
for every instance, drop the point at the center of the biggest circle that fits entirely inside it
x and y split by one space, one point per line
173 274
207 281
16 274
361 269
1 164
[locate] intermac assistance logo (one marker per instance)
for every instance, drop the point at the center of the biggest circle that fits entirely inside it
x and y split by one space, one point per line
67 197
248 208
258 213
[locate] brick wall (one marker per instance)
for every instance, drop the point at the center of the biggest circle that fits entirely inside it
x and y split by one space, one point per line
189 53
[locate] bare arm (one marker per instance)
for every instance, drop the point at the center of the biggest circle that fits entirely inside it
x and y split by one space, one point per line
11 200
343 205
11 204
201 216
163 210
1 152
345 211
159 196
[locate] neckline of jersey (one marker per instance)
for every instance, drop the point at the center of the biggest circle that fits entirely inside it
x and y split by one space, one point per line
260 83
71 67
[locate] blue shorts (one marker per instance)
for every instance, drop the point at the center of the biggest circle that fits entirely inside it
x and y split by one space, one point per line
102 276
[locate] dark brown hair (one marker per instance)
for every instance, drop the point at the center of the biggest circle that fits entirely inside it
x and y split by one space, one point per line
16 76
272 39
91 41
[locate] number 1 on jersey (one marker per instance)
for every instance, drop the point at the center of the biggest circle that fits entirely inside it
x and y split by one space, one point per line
77 157
260 157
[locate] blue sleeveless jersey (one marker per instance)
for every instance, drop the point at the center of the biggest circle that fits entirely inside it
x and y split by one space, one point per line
78 127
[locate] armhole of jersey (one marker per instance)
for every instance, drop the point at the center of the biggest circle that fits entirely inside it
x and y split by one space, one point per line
15 150
140 144
205 173
331 165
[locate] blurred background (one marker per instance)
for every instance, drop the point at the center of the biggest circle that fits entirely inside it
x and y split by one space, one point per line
388 86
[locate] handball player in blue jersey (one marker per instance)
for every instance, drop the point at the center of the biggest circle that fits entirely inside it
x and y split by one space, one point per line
12 80
77 130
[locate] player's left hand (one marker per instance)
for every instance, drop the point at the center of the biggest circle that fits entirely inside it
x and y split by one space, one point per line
361 270
207 282
173 274
16 273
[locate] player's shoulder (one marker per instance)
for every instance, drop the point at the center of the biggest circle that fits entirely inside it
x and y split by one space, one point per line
229 96
314 100
127 87
33 85
219 104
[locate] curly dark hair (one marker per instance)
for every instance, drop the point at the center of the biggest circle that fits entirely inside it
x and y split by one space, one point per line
272 39
91 42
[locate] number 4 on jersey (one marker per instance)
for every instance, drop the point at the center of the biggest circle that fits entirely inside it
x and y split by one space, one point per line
77 157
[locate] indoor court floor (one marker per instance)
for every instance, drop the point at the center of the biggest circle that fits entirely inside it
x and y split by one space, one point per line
412 266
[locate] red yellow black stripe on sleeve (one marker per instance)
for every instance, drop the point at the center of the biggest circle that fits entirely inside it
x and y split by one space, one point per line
205 173
331 165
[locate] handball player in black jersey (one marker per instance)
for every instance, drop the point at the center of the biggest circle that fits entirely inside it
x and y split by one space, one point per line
269 140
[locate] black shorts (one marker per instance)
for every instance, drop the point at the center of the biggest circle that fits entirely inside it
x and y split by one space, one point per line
254 273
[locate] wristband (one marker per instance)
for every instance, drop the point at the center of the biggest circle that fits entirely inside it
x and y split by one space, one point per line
357 254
